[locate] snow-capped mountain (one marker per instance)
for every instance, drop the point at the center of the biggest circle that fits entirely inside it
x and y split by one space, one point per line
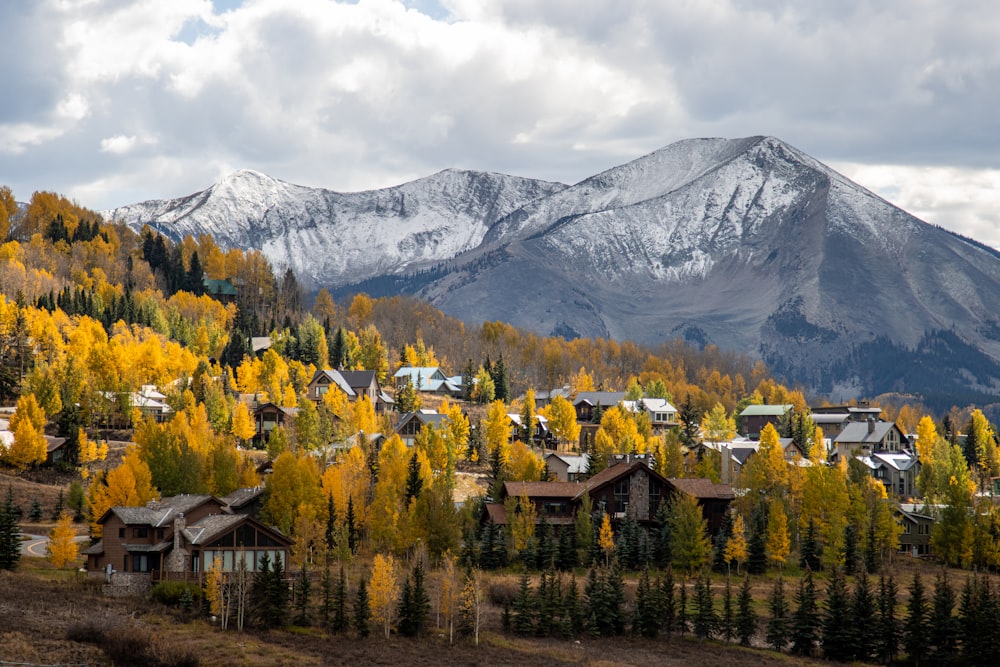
747 243
330 238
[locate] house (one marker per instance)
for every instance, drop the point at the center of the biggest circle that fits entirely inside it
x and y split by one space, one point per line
429 380
220 290
661 413
629 488
589 405
915 538
353 384
896 470
541 434
269 416
862 438
55 449
567 467
181 536
754 418
410 424
544 397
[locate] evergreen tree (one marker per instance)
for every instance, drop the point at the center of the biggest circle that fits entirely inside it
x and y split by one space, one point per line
421 600
746 618
661 536
871 548
850 549
863 619
777 625
727 621
805 619
567 558
36 513
888 627
682 608
545 556
302 586
339 622
10 533
645 619
414 483
667 603
352 529
970 622
809 556
362 608
705 619
756 545
916 630
326 599
269 593
837 623
523 612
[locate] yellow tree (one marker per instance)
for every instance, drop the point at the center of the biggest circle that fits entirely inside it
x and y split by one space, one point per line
984 443
386 506
606 539
294 482
62 546
718 426
383 589
28 448
523 464
529 415
581 381
242 427
562 421
736 545
91 451
496 427
127 485
778 543
766 473
521 517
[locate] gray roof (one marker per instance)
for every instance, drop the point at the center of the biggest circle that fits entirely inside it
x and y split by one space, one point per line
335 377
241 497
160 513
766 410
603 398
858 432
576 464
210 527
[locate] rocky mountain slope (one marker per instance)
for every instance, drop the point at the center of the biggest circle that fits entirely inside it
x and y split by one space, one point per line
747 243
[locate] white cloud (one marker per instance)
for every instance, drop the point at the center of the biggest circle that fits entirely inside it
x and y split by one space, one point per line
353 95
118 145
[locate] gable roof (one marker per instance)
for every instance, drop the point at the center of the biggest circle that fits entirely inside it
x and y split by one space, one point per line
858 432
603 398
650 405
242 497
542 489
766 410
157 513
703 489
359 379
614 473
577 464
333 377
427 378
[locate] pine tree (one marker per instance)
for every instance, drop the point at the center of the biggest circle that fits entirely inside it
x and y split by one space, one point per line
421 600
863 619
837 623
10 534
917 627
645 619
746 618
302 586
352 529
705 619
727 621
414 483
809 556
36 513
326 599
850 549
944 626
682 608
362 609
756 546
777 625
339 621
888 628
668 603
567 557
523 612
805 619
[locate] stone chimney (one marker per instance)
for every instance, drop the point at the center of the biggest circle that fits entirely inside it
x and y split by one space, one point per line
177 559
871 425
727 464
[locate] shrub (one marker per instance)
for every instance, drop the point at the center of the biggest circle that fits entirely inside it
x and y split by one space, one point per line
172 592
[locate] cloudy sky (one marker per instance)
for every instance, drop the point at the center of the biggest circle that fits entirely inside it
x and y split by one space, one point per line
116 101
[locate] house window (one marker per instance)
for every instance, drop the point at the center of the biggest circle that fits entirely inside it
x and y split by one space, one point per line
654 496
140 531
121 532
906 528
159 533
140 563
621 496
555 508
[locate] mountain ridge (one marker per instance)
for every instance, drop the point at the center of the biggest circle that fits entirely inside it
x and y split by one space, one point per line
747 243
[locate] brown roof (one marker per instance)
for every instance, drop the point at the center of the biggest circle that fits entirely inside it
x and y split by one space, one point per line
542 489
497 512
703 488
617 471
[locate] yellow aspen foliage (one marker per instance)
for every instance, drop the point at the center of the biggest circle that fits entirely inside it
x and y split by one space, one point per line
91 451
363 417
62 545
562 421
294 482
28 409
524 465
581 381
717 426
349 480
736 545
390 487
383 592
817 452
242 426
128 485
28 448
521 517
496 427
214 587
778 543
606 539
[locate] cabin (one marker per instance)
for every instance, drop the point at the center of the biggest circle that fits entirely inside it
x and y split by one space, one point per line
353 384
181 537
590 405
662 414
269 416
410 424
565 467
754 418
429 380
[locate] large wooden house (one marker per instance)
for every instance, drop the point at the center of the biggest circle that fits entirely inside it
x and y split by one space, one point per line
353 384
182 536
630 488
